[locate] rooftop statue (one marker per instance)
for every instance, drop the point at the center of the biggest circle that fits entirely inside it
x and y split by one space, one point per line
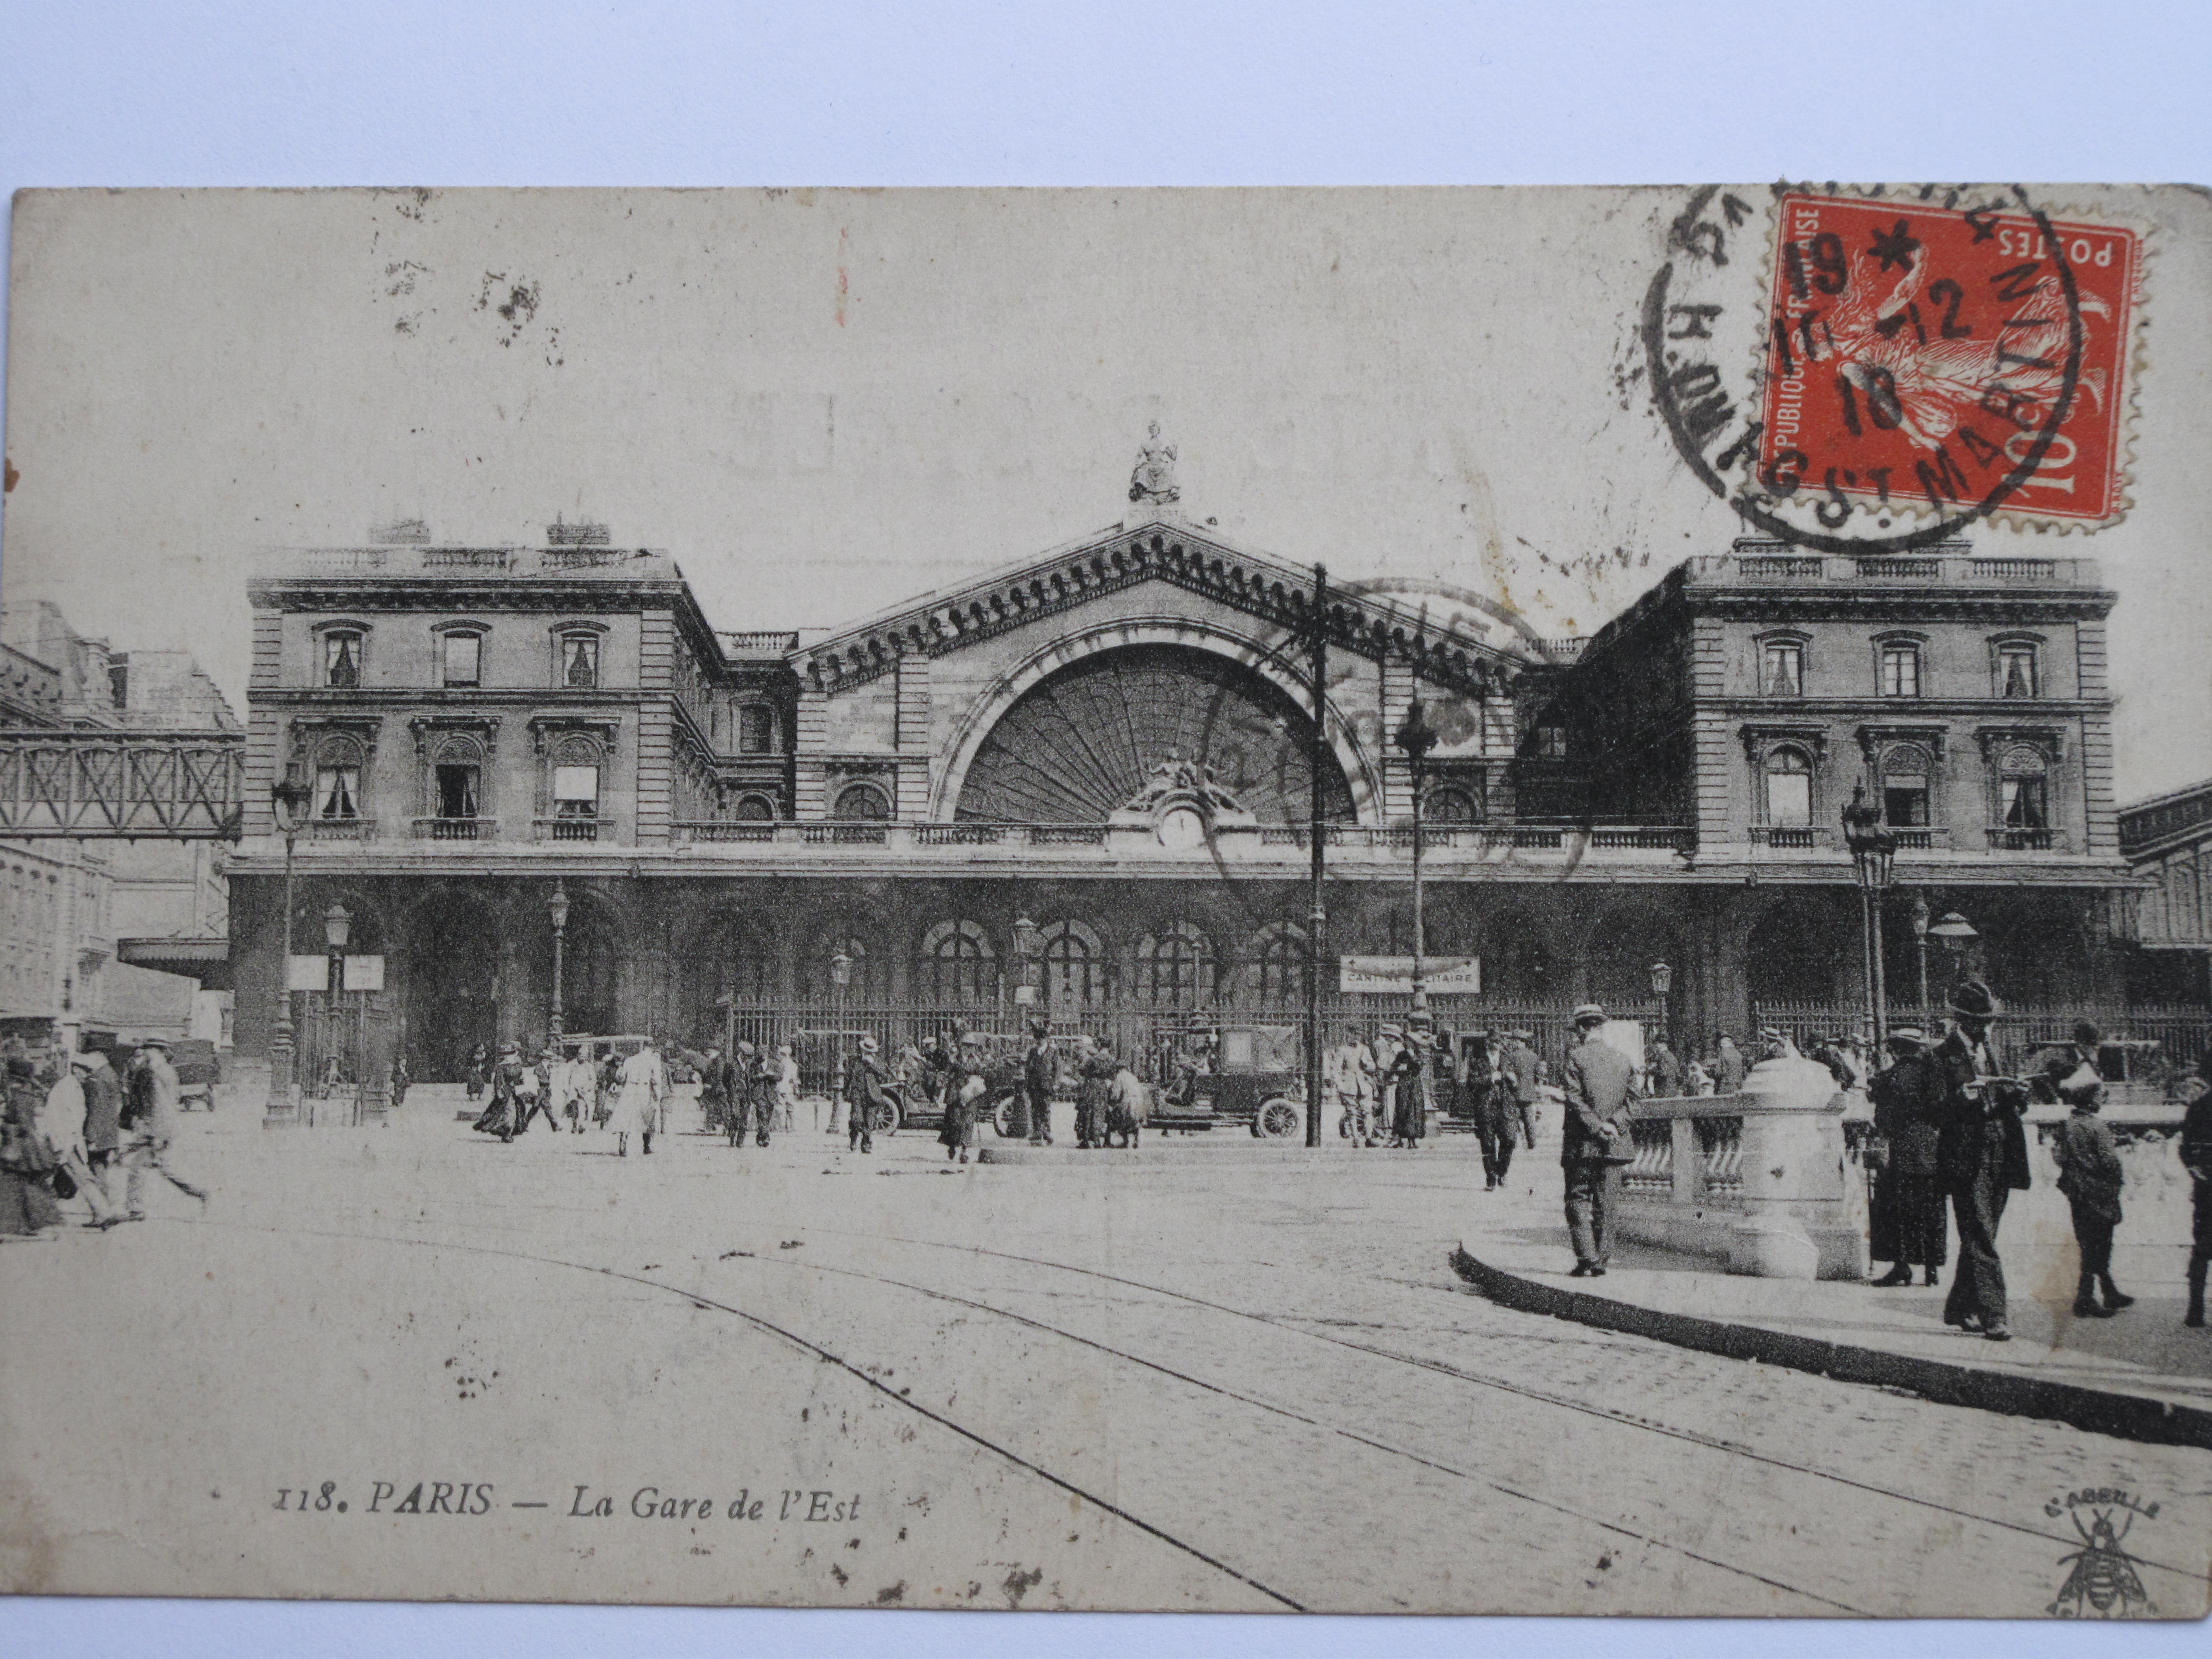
1154 479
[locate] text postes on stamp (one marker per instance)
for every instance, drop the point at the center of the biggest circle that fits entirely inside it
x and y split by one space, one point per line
1932 360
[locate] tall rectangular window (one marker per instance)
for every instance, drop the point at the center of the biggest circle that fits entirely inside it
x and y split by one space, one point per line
1905 803
579 661
457 791
1782 669
1900 671
463 658
342 660
2016 671
337 792
575 792
2025 806
755 729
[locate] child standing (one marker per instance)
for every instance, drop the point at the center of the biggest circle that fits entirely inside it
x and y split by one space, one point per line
2091 1176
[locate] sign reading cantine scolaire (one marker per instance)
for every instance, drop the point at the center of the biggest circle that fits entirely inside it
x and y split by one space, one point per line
1375 976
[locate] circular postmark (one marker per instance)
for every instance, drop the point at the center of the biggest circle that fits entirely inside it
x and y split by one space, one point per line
1898 366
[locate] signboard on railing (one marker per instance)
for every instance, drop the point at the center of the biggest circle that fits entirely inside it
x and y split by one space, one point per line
1394 976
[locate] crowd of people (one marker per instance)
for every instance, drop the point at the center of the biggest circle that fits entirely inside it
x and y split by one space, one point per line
65 1129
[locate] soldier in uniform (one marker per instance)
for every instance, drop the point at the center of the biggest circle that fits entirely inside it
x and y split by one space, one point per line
1982 1152
1907 1213
1600 1084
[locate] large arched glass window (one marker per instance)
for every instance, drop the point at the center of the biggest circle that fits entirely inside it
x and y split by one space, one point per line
862 803
1789 788
756 809
1454 801
1175 967
957 964
1074 972
1277 971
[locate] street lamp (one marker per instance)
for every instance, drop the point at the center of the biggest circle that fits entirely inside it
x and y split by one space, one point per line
1874 852
556 909
337 929
841 975
1920 945
1025 960
1416 736
1956 935
1662 981
288 797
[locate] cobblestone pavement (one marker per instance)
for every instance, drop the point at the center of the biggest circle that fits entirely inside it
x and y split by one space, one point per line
1206 1387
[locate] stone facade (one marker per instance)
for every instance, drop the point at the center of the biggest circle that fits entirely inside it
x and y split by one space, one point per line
725 812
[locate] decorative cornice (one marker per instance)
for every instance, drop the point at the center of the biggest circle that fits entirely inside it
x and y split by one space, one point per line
367 728
1756 736
1277 594
425 726
542 726
1873 738
2051 739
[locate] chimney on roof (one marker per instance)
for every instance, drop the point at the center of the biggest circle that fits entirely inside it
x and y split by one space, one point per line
401 532
585 532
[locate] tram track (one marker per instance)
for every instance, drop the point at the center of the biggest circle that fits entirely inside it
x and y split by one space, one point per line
1610 1414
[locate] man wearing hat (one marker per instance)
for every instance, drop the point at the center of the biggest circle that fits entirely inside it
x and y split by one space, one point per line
1982 1155
64 1119
868 1089
1040 1082
1908 1226
150 1124
2196 1159
643 1084
1600 1085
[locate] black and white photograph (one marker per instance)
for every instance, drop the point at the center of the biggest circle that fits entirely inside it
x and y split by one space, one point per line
1352 900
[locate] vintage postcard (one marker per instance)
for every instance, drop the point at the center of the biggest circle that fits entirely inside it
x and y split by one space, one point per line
1365 900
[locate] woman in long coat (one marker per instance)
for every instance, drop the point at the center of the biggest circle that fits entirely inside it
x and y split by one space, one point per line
1409 1074
643 1083
964 1085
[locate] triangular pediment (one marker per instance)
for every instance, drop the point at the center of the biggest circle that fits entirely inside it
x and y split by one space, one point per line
1170 551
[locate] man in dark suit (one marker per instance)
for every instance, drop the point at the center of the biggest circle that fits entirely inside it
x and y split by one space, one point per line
1909 1109
1982 1155
1600 1084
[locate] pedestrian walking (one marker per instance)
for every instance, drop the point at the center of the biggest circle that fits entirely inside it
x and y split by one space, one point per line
574 1087
1407 1084
149 1125
478 1071
534 1088
714 1091
1595 1141
1667 1076
502 1114
1127 1107
1507 1109
1908 1228
1040 1083
783 1084
872 1096
2196 1159
1094 1070
641 1087
61 1119
964 1086
1982 1154
399 1080
1729 1067
1389 1043
27 1206
1353 1062
103 1122
2091 1176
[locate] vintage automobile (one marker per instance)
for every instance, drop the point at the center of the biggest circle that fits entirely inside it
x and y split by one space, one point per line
1249 1077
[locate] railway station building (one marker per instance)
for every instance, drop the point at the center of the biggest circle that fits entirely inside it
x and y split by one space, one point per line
1090 771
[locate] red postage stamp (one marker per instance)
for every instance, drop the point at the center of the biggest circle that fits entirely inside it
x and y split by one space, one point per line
1923 359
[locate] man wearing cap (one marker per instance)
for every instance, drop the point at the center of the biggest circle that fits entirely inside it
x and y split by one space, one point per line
1908 1226
1982 1154
869 1089
1040 1082
1389 1043
149 1122
1600 1084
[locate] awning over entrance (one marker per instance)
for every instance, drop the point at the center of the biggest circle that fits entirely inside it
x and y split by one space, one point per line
206 960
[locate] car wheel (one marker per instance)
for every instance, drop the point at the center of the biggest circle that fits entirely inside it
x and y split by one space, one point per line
1278 1121
886 1119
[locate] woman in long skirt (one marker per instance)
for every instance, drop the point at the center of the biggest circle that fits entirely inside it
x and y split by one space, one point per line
28 1205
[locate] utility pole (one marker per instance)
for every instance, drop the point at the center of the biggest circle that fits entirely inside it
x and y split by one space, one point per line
1317 914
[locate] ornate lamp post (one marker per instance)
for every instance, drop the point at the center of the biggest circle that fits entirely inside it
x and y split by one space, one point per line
556 909
841 976
1025 960
289 796
338 931
1920 945
1874 851
1662 981
1416 736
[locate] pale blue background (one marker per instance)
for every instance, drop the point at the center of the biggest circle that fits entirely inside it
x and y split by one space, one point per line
559 91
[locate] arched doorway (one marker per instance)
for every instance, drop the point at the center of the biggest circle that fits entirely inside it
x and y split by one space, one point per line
452 965
590 969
